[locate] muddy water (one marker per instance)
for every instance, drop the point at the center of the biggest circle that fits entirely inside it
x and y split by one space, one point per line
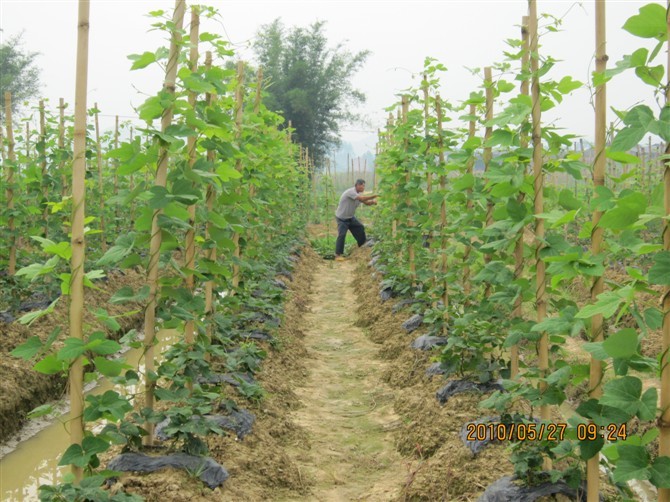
34 461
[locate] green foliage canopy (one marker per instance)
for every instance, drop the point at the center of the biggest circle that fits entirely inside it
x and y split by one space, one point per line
18 72
310 83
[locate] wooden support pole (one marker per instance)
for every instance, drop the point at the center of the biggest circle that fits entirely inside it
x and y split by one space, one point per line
210 197
43 163
76 381
239 114
518 245
11 157
411 253
597 234
101 200
61 144
467 287
444 266
488 155
664 421
538 176
189 252
156 236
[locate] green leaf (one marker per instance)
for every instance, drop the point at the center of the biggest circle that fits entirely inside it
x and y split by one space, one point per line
622 344
567 85
589 448
28 349
596 349
93 445
41 411
99 344
122 248
653 318
142 60
648 404
633 463
660 472
650 22
568 201
622 157
607 304
623 393
50 365
109 368
126 294
72 349
659 273
227 172
74 455
651 75
626 212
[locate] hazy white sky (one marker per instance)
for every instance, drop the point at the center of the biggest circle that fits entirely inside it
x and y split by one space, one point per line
400 34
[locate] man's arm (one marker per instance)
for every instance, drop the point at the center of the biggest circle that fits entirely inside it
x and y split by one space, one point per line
365 198
370 202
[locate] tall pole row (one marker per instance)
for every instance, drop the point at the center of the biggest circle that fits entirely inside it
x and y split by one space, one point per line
11 157
408 201
77 240
189 253
45 189
101 201
156 238
488 155
239 114
443 211
538 177
468 170
518 246
211 195
599 167
664 421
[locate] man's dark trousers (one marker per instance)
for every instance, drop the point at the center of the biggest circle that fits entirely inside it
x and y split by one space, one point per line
357 230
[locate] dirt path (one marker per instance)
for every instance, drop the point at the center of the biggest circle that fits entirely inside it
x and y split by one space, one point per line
348 411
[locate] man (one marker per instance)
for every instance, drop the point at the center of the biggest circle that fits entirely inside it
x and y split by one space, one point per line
349 202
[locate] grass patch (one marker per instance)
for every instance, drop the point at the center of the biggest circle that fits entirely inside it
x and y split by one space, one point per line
325 246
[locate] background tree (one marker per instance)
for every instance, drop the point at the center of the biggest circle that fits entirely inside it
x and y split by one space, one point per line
18 72
310 83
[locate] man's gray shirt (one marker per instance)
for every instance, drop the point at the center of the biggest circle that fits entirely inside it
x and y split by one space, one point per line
348 204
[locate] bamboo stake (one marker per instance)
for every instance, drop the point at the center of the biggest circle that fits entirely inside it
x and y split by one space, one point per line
27 142
444 268
540 288
664 420
132 182
488 154
156 237
518 246
11 156
211 195
429 172
43 163
599 166
101 200
257 110
61 144
408 201
468 170
394 223
239 114
189 254
78 239
116 170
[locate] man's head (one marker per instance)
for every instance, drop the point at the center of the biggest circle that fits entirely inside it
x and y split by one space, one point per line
360 185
